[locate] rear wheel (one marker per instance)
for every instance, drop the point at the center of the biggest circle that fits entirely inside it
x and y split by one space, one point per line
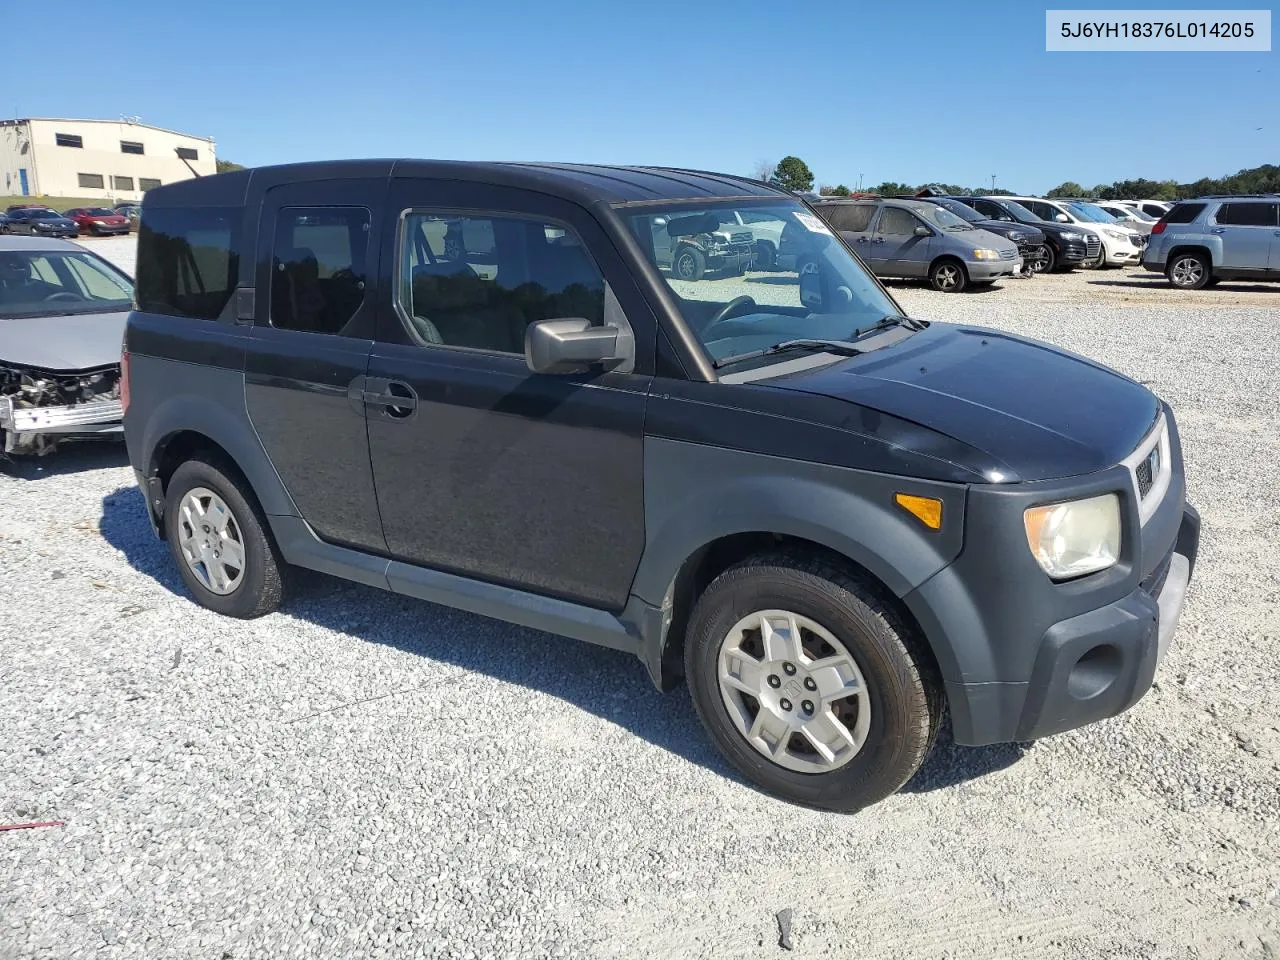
220 542
1189 271
809 684
948 276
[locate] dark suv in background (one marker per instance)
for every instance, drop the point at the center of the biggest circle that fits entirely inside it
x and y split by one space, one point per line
476 384
1066 245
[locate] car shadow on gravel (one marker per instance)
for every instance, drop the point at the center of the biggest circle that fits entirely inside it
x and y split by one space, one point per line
77 457
1157 282
608 683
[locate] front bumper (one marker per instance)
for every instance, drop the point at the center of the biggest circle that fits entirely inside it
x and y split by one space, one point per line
992 269
1022 656
735 257
1072 251
94 417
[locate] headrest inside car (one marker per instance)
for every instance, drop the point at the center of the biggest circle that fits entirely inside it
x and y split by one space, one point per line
693 225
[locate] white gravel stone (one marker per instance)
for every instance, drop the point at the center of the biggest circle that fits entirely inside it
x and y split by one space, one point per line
366 775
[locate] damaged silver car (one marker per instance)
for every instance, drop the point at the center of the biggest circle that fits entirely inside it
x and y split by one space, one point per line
62 315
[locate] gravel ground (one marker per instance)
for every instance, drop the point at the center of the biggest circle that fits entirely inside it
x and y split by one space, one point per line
363 775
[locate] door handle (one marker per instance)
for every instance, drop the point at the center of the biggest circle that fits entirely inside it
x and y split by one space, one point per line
396 398
1218 230
878 240
862 239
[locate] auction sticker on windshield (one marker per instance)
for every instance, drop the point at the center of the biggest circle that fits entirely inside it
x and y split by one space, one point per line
812 223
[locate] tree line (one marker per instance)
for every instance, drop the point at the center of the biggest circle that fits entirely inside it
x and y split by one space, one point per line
792 173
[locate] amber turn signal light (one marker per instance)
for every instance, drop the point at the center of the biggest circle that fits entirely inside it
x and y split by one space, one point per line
925 509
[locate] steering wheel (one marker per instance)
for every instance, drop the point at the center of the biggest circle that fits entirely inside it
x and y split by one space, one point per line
723 314
64 295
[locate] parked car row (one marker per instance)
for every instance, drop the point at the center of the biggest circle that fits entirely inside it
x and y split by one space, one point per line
37 219
1200 242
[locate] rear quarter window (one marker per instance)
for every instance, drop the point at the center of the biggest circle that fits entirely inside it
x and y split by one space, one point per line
188 261
1183 213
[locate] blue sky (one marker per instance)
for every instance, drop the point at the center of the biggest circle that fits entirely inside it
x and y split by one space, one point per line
905 91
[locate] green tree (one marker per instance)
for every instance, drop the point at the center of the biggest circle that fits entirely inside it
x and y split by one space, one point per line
1068 189
889 188
793 174
839 190
225 166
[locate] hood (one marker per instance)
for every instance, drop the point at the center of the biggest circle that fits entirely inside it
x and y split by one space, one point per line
1036 411
79 342
1004 228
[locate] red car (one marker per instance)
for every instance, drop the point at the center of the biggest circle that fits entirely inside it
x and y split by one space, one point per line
97 221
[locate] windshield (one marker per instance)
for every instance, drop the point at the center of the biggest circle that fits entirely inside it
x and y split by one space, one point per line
41 282
1090 212
1018 210
964 211
42 215
100 212
1137 213
781 276
945 218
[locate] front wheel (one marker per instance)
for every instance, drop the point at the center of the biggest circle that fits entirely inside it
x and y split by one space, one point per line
1044 260
766 256
689 264
1189 271
948 276
809 684
220 541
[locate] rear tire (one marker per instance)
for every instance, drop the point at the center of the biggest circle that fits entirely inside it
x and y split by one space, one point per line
257 588
948 276
1189 271
881 734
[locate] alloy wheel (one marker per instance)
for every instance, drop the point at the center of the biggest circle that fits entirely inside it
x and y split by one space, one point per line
793 691
1187 272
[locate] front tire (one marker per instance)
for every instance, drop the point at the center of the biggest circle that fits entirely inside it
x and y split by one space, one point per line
1189 271
1046 260
766 256
219 539
948 276
688 264
810 684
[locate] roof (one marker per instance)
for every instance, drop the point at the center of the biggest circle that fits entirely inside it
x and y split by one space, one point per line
123 123
586 183
8 242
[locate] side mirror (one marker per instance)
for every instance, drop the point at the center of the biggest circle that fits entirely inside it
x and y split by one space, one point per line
923 231
572 345
1061 218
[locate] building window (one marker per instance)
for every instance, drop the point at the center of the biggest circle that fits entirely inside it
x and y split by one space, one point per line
186 153
91 180
122 183
68 140
128 146
146 183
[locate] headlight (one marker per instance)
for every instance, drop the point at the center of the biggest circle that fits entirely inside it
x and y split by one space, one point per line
1074 538
1115 234
985 254
1017 237
1072 235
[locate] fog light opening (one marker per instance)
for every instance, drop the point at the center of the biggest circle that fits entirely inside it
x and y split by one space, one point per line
1094 673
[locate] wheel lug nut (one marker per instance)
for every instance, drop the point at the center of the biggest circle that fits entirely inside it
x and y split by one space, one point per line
789 669
809 684
807 706
774 681
785 704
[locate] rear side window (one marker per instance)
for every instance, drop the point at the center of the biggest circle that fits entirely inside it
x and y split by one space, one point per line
479 281
1248 214
1183 213
852 217
318 267
188 261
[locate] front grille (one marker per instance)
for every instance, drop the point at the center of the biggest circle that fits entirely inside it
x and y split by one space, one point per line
1137 239
1147 471
1091 246
1008 254
740 237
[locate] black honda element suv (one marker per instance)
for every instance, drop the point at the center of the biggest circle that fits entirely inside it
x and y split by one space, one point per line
479 384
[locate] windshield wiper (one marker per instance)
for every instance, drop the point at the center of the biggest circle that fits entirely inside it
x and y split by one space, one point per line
892 320
842 347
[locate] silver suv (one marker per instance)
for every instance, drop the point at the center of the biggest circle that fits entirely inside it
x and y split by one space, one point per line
1200 242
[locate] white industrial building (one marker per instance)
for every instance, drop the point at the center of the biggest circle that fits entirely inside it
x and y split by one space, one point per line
96 159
